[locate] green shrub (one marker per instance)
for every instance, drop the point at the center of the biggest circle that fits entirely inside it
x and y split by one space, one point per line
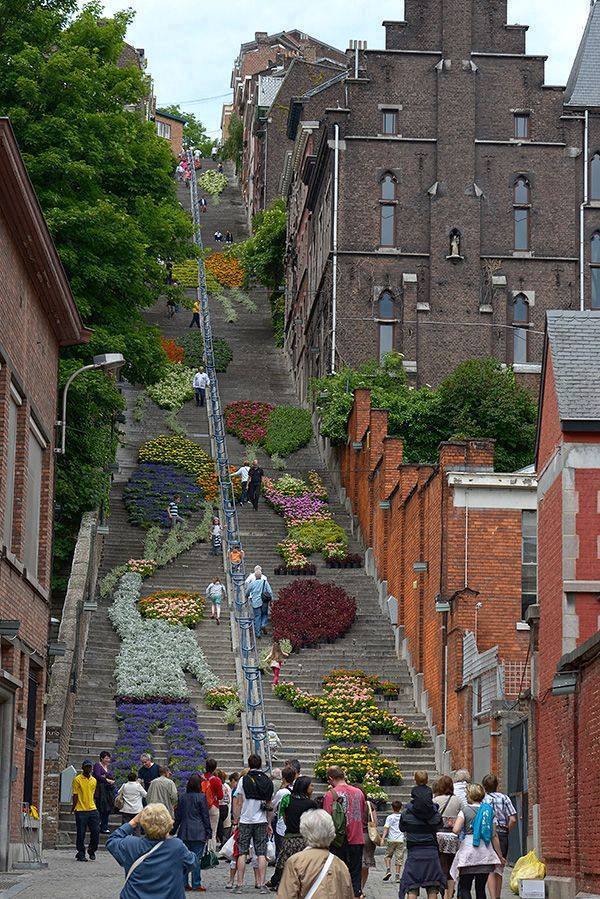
193 351
313 536
288 429
186 273
278 317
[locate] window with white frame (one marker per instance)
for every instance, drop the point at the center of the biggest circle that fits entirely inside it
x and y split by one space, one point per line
163 129
35 464
529 559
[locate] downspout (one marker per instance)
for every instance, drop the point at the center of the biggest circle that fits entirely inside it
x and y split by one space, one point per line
444 614
336 175
264 202
586 125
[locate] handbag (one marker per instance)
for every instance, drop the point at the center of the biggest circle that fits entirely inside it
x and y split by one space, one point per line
374 834
141 859
119 801
210 859
321 877
447 841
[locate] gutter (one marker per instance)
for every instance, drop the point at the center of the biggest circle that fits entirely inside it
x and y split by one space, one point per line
336 175
586 128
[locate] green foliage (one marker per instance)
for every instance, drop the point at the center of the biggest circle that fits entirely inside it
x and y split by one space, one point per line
194 132
277 301
104 180
262 254
288 429
193 349
186 273
479 399
313 536
139 408
173 424
232 148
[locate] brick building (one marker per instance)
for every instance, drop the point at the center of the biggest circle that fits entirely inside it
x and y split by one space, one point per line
170 127
453 547
136 56
37 316
566 636
439 212
258 74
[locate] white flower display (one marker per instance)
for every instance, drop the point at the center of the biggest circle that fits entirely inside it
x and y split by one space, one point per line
154 655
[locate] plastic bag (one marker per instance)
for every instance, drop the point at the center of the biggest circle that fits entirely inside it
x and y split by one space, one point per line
226 850
271 850
528 867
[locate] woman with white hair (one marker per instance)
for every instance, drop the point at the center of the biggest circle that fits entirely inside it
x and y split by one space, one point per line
315 873
156 863
462 779
258 591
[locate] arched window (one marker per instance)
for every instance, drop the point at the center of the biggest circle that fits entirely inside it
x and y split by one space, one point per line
521 211
387 323
595 269
388 211
520 321
595 177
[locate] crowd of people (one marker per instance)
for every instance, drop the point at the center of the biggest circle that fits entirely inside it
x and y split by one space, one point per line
445 840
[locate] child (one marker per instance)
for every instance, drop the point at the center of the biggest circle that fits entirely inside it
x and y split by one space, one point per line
275 659
216 536
395 846
214 594
274 741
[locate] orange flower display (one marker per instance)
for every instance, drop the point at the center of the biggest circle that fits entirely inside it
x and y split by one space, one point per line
226 269
172 349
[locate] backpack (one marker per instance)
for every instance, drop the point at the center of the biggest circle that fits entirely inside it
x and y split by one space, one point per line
483 825
338 815
208 793
258 785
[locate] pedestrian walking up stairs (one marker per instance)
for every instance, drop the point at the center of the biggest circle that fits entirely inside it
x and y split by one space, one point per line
259 372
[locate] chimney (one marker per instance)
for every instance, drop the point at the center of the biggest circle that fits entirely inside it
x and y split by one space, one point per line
261 37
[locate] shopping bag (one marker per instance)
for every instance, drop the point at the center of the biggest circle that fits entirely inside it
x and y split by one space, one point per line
226 850
528 867
210 859
271 850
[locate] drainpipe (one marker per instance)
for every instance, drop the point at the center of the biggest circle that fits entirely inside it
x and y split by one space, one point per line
336 175
264 202
582 212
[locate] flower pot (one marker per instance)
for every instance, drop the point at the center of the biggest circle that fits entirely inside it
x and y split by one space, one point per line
230 726
380 804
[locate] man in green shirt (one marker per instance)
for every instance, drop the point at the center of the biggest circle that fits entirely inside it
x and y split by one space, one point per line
86 813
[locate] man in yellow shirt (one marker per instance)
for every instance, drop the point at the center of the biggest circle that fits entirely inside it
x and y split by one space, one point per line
86 814
195 315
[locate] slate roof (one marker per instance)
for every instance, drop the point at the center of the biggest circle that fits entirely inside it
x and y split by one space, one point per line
583 86
574 342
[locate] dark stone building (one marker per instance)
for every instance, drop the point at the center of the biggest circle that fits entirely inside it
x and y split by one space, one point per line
452 200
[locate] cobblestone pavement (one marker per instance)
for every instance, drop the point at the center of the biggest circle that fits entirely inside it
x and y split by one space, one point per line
67 879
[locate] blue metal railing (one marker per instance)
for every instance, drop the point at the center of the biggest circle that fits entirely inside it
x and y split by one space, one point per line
244 615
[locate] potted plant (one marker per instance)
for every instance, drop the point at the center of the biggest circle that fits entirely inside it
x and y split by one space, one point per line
231 714
413 738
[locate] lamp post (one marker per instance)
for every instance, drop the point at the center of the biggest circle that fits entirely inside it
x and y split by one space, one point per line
107 362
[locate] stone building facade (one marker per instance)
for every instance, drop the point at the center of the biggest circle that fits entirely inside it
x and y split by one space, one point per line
439 212
453 548
37 315
565 716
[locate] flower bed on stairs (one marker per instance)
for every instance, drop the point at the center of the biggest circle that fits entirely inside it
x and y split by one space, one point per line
309 612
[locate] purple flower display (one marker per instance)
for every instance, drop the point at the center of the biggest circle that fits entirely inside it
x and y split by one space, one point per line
175 721
295 509
152 487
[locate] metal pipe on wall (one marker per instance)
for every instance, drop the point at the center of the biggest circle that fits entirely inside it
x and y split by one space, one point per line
336 175
586 127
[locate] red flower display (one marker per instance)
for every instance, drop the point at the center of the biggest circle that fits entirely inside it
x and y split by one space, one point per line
248 420
312 612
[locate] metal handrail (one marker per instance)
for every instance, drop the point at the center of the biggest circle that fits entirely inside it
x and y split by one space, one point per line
244 614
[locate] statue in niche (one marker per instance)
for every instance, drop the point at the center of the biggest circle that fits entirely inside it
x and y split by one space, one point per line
455 243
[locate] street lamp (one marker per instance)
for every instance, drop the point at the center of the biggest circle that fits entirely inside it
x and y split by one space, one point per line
107 362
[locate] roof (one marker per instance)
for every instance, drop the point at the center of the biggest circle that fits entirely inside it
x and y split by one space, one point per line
170 115
583 86
25 220
573 341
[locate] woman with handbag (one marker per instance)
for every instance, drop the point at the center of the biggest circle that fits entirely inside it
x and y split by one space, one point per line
316 873
130 799
449 805
192 823
155 862
372 840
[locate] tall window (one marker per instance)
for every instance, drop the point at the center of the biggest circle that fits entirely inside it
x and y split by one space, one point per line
390 121
386 316
32 509
521 126
595 177
388 211
521 211
164 130
520 320
10 473
595 269
528 560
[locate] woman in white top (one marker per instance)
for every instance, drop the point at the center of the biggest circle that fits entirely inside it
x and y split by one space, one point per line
132 793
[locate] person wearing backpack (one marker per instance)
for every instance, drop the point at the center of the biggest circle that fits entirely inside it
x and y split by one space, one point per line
212 787
252 814
258 591
347 806
479 853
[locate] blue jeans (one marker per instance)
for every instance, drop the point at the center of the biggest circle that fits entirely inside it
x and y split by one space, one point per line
244 496
264 623
197 848
257 620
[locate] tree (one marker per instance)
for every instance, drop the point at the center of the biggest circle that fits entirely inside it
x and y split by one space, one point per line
194 132
479 399
262 254
105 182
233 146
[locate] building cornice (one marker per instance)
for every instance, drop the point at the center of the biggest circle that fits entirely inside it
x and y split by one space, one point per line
394 138
493 480
514 142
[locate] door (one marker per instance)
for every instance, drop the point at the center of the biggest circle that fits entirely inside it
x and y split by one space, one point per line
30 736
517 788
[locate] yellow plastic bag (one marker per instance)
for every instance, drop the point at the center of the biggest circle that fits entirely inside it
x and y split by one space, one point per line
528 867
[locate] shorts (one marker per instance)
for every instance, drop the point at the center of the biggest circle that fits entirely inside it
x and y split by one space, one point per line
255 832
395 849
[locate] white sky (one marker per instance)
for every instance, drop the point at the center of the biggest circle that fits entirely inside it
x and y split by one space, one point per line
191 45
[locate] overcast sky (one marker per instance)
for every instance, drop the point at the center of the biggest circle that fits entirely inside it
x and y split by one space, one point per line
191 45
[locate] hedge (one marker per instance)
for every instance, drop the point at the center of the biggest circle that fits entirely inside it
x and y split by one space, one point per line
288 430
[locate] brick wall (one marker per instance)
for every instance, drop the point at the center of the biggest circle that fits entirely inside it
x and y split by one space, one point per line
427 523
